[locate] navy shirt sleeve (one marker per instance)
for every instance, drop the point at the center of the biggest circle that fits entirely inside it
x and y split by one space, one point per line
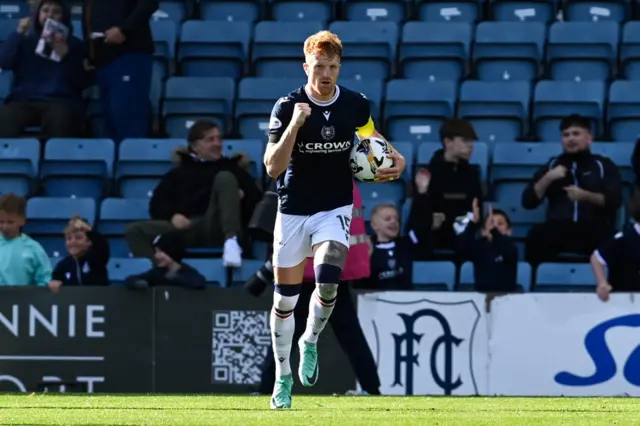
611 250
280 118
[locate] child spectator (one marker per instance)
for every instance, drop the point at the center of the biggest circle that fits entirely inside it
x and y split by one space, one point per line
621 256
169 270
23 261
87 261
494 256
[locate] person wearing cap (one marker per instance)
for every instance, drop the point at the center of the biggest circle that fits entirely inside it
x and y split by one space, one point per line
169 270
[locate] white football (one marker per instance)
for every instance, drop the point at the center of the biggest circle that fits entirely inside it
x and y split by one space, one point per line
369 155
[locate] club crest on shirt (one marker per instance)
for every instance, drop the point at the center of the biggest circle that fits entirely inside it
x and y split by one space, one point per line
328 133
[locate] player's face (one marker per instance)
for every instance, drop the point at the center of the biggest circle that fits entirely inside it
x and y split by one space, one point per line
460 147
209 147
50 10
386 223
322 73
576 139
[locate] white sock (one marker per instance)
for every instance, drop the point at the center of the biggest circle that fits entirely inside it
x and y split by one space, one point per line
283 325
320 308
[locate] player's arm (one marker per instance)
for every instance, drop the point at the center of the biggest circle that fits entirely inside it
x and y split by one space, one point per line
286 120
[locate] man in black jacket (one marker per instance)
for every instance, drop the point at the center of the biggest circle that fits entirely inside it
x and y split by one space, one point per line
207 196
584 192
121 49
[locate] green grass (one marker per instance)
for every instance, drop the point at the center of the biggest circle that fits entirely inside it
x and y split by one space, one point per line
323 411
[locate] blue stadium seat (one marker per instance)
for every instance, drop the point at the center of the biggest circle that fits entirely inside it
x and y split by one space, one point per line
563 277
212 269
173 10
523 10
277 47
77 29
433 50
248 268
256 99
165 36
376 10
620 153
371 48
597 10
13 9
231 11
7 26
437 276
556 99
499 111
414 109
117 213
408 151
305 10
188 99
50 215
630 50
141 164
480 155
582 51
467 281
623 112
19 165
6 80
253 148
509 51
76 8
518 161
372 89
449 11
121 268
404 215
379 193
214 50
77 167
521 219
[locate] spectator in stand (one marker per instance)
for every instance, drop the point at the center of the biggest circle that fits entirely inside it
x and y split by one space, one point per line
494 255
86 264
23 261
445 189
121 49
635 162
584 192
45 92
207 196
621 256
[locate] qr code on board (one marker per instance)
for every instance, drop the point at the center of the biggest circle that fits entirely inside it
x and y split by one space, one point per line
240 343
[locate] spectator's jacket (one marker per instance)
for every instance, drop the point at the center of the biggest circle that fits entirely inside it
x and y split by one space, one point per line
621 256
186 189
588 171
391 266
186 276
635 162
131 16
39 79
357 265
23 262
495 263
87 270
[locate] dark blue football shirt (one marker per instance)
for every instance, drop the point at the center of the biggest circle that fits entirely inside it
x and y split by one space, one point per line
319 177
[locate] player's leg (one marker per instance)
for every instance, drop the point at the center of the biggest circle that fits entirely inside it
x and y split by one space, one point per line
330 241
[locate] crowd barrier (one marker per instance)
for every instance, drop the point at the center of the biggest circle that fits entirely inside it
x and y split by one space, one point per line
173 340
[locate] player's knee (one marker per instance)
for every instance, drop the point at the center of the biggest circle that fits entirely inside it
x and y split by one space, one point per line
331 253
327 292
285 298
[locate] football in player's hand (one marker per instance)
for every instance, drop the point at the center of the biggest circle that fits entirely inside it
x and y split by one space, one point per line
369 155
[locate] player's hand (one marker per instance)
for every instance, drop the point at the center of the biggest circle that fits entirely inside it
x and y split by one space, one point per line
180 221
393 172
54 286
300 113
603 290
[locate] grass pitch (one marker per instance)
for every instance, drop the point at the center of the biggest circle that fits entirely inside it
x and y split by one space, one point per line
185 410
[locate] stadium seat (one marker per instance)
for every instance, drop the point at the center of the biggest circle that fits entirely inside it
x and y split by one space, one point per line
449 11
173 10
50 215
556 99
248 268
231 11
381 193
623 110
582 51
19 165
563 277
407 149
376 10
165 35
256 99
597 11
6 80
436 276
433 50
188 99
141 164
630 50
499 111
371 48
372 89
303 10
214 50
277 48
620 153
467 282
212 269
117 213
121 268
523 10
414 109
77 167
13 9
7 26
253 148
479 157
509 51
